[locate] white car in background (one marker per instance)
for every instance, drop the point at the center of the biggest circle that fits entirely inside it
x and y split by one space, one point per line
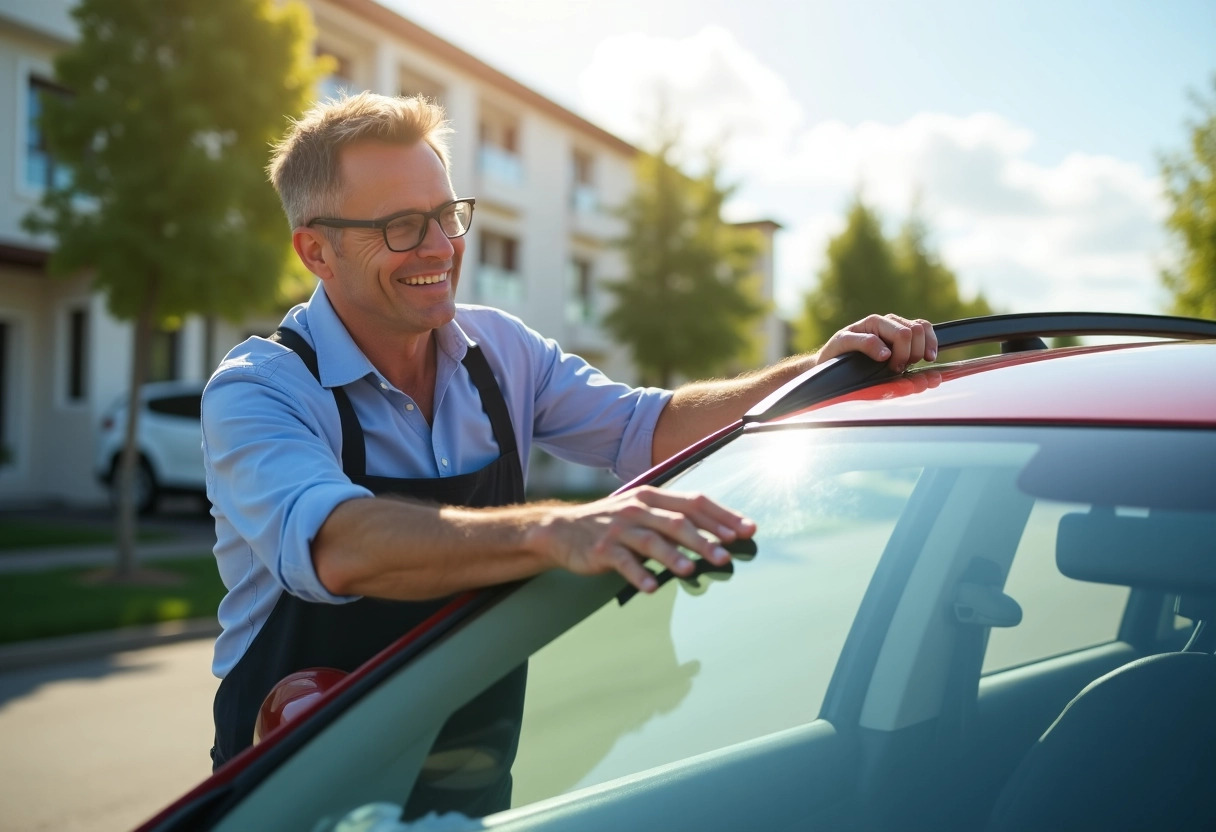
169 438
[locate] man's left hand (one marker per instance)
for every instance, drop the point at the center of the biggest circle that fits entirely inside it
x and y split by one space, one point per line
899 341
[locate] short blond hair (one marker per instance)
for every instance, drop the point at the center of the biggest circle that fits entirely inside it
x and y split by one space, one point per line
304 165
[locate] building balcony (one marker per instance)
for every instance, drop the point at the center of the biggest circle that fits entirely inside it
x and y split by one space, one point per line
502 176
589 217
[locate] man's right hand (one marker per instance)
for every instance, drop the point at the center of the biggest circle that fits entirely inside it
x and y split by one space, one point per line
619 532
407 550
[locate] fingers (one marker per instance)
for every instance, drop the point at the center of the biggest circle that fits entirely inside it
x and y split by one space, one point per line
903 339
699 511
851 340
899 341
619 533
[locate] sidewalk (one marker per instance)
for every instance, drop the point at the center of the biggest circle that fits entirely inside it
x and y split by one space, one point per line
186 531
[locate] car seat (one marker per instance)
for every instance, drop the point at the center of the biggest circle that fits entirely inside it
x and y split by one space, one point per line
1136 749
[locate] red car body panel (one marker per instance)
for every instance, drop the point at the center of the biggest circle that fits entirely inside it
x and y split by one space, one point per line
1167 384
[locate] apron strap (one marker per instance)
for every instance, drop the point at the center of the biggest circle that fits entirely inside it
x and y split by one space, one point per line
354 455
492 401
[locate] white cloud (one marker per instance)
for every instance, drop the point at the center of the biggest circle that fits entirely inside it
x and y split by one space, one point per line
800 253
1084 232
720 92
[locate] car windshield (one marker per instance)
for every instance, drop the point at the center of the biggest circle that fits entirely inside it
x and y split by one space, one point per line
664 677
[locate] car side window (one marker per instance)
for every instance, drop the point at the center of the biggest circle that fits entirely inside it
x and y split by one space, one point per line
693 668
1059 614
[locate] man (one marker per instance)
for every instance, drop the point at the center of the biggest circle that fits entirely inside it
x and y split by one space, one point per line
382 385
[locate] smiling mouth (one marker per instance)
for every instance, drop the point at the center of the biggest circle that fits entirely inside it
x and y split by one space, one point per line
425 279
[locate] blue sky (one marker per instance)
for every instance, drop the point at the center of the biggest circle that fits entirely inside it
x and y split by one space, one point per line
1028 132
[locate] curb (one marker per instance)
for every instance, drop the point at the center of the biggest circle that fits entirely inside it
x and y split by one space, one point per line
26 654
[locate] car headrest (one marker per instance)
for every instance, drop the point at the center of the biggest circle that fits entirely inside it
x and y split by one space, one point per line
1172 551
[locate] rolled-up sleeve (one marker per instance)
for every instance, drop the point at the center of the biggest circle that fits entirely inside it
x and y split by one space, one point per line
584 417
272 471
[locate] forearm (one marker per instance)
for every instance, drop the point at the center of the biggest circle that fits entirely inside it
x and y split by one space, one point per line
698 409
405 550
387 548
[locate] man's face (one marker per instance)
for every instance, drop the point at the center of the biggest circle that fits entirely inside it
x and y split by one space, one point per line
376 291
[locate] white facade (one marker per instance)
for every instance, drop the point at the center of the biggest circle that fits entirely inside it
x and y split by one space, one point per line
544 179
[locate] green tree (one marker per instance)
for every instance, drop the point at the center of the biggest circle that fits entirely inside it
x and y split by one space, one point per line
173 106
690 299
1190 187
868 272
860 278
928 288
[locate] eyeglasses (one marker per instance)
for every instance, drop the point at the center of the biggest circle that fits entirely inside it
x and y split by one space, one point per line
407 230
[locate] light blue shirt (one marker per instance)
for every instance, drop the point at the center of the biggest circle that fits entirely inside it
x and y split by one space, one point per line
272 440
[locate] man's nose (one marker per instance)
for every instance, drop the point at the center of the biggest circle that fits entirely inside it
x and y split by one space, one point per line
435 243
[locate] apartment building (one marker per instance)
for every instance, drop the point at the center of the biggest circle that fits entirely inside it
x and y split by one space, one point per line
545 180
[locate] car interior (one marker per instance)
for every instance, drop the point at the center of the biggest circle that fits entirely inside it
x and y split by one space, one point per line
1136 748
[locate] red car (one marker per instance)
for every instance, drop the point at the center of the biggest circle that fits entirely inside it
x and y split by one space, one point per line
976 601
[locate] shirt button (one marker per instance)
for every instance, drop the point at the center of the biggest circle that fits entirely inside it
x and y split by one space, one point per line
383 386
444 463
409 407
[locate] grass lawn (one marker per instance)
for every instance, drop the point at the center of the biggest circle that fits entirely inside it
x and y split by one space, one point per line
67 601
23 534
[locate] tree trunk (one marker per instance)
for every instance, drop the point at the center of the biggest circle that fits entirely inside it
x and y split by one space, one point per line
126 519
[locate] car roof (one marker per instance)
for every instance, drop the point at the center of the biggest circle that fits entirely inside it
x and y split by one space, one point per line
1151 383
1115 384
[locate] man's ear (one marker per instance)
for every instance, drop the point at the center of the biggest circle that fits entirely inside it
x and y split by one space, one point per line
314 251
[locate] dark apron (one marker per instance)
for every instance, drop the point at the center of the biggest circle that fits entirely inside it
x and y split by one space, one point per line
300 634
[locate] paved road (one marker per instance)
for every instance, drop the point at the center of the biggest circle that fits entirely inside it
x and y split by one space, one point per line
96 740
102 744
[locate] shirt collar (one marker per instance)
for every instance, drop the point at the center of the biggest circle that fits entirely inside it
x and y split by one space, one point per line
341 361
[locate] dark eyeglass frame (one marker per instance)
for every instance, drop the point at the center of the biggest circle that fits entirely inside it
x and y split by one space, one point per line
382 223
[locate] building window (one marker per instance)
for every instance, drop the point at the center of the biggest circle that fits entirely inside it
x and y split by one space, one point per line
500 134
164 354
498 278
338 83
579 307
41 169
77 355
499 150
584 198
